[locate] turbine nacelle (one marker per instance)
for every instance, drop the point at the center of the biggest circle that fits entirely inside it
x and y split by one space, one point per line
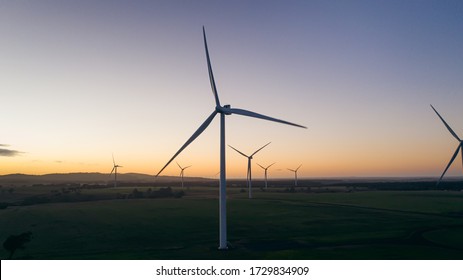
226 109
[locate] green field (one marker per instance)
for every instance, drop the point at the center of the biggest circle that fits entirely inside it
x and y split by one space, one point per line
273 225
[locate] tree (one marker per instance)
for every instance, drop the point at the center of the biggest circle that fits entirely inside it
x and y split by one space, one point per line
137 194
15 242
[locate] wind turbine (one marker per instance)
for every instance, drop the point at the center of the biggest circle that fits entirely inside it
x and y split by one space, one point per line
265 172
249 175
115 166
223 111
460 146
295 174
182 171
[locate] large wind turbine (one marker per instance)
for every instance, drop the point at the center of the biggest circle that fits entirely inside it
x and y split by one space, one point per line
249 175
295 174
265 172
223 111
115 166
460 146
182 171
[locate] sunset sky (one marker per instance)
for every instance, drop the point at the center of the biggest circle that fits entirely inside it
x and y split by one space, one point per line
80 80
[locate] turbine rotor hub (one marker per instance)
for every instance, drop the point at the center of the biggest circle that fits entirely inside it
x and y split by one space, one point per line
223 109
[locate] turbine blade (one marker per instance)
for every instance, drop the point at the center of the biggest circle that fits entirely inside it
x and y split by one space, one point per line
450 163
261 166
261 148
270 165
238 151
187 167
179 165
211 75
191 139
445 123
298 168
461 146
259 116
112 171
291 170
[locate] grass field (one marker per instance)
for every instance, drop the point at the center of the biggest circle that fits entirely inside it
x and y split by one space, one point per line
273 225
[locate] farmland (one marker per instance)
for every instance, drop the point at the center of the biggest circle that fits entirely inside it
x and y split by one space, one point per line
327 223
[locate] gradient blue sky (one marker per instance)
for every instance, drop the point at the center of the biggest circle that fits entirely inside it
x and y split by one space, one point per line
80 80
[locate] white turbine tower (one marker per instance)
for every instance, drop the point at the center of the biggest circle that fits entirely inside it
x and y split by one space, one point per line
249 173
460 146
295 174
265 172
223 111
182 171
115 166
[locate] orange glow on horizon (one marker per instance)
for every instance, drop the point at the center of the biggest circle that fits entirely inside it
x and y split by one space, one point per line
357 167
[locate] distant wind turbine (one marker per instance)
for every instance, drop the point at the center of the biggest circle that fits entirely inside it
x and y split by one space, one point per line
223 111
115 166
265 172
295 174
460 146
182 171
249 174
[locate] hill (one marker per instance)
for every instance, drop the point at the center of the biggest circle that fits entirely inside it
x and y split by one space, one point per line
85 178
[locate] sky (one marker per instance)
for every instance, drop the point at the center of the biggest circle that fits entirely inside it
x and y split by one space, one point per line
82 80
